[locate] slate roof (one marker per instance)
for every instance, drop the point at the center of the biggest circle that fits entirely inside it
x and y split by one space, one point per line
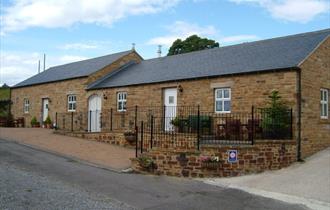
277 53
72 70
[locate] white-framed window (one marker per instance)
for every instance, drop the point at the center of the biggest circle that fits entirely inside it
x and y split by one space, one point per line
121 101
72 101
324 103
26 106
222 100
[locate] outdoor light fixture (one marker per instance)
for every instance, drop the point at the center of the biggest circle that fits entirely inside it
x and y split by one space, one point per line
180 88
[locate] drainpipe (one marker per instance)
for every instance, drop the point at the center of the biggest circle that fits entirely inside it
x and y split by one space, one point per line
299 107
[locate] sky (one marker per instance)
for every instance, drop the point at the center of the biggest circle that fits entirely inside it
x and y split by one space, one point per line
73 30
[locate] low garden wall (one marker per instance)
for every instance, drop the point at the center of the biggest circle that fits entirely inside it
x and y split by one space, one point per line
263 155
116 138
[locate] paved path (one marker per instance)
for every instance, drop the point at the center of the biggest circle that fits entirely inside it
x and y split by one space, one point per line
139 191
307 182
103 154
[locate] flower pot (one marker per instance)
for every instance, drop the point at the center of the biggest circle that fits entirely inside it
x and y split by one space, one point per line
130 138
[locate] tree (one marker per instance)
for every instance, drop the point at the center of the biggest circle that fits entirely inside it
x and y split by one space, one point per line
192 43
276 117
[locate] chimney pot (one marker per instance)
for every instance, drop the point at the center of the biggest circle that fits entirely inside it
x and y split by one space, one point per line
159 52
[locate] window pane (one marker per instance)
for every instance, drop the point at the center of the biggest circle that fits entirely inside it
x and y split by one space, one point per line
125 95
321 95
74 106
171 99
227 106
218 106
124 105
120 107
326 95
324 108
219 93
226 93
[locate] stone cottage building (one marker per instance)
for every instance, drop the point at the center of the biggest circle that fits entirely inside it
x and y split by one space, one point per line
224 80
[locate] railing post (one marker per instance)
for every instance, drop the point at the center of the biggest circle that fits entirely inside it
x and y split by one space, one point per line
164 118
136 140
111 111
135 117
71 121
56 121
198 127
90 121
291 124
151 130
142 137
252 117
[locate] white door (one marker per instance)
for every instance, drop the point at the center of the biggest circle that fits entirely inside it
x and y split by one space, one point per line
45 104
170 102
94 113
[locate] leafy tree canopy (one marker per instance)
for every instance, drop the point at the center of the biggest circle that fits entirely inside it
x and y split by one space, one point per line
192 43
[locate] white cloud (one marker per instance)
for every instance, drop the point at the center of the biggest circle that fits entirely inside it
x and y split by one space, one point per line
16 67
79 46
88 45
64 13
238 38
301 11
181 30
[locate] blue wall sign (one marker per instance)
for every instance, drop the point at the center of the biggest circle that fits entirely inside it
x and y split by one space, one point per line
232 156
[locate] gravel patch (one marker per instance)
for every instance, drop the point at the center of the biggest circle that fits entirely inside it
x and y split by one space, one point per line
20 189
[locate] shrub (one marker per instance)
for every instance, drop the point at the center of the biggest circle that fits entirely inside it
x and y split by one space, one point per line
276 119
48 121
34 121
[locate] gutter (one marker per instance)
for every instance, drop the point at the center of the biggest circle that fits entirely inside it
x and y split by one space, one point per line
299 108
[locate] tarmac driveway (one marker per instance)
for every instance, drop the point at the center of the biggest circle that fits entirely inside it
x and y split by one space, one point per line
102 154
307 182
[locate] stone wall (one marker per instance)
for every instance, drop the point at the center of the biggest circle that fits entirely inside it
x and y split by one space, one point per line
58 91
115 138
315 74
262 156
247 90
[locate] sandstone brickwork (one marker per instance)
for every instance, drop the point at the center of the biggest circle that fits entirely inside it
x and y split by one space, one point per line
263 155
315 74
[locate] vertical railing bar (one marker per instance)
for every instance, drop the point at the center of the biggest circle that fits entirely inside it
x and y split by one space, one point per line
142 137
71 121
291 124
135 117
136 140
151 130
198 128
252 116
111 112
56 121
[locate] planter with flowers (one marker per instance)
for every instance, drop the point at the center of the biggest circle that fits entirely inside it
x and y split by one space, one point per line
147 163
130 136
210 162
48 122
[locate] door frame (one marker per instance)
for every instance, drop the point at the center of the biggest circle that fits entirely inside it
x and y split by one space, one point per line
98 114
42 109
167 127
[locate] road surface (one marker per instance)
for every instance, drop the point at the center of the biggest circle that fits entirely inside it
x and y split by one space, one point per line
34 179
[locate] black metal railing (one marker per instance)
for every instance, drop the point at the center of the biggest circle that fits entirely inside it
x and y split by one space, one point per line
183 126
